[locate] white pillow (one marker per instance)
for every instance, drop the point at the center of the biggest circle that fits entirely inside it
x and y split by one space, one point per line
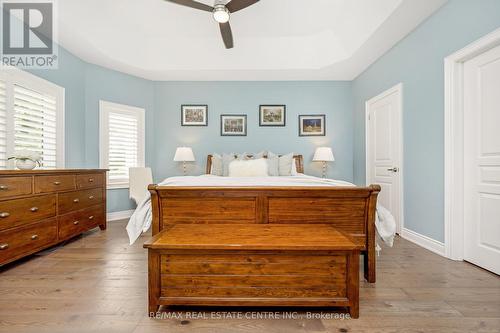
226 160
248 168
273 164
285 164
216 169
294 167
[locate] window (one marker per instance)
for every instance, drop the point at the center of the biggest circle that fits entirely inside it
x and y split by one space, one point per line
121 141
31 118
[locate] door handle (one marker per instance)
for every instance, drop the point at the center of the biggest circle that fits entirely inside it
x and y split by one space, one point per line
395 169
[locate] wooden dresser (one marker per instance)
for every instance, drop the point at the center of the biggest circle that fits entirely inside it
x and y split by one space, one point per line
40 208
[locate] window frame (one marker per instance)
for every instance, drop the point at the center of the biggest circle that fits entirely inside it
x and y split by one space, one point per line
12 76
104 109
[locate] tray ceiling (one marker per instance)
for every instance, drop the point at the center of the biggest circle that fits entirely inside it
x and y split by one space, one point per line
274 39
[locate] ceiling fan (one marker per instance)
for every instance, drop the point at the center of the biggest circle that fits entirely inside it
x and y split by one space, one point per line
221 12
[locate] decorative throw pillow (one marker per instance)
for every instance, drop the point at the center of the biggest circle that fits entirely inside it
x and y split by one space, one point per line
216 169
248 168
251 156
273 164
285 164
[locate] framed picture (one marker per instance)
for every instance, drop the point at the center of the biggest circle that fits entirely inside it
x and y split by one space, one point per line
194 115
272 115
312 125
233 125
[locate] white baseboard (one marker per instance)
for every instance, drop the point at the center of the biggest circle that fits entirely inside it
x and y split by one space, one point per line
424 241
121 215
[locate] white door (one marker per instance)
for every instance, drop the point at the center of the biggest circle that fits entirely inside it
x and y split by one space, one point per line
383 149
482 160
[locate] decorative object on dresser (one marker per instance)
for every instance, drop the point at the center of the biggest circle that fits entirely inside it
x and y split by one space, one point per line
312 125
272 115
26 159
324 155
184 154
41 208
233 125
194 115
253 265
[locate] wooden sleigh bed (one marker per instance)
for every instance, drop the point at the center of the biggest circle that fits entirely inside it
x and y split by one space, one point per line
350 209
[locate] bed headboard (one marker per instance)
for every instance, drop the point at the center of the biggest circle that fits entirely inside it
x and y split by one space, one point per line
299 162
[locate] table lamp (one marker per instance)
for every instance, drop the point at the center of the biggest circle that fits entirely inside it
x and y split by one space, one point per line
323 154
184 154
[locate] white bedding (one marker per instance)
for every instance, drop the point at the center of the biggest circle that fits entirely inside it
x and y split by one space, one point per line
141 219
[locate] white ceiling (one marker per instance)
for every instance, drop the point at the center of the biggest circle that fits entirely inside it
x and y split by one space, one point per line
274 39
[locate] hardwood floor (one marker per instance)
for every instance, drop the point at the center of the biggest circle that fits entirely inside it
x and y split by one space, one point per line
97 283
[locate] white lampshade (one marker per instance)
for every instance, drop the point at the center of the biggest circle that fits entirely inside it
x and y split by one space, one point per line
323 154
184 154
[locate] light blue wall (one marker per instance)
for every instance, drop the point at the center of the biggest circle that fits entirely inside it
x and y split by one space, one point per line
112 86
86 84
71 76
417 62
317 97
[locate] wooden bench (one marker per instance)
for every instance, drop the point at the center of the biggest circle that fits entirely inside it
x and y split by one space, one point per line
253 265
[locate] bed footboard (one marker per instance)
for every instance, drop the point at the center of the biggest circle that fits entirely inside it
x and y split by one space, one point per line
349 209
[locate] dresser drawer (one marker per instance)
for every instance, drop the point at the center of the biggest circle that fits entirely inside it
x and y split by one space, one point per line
75 223
17 242
15 186
76 200
89 180
22 211
45 184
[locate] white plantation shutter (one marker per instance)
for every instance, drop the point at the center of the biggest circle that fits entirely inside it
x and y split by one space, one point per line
122 141
35 124
3 124
31 118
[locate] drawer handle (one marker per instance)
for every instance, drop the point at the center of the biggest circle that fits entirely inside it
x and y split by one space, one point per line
34 209
76 200
91 197
91 180
4 246
34 237
57 183
4 215
76 222
4 187
91 217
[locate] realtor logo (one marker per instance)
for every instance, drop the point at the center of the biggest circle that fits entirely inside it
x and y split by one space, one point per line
28 33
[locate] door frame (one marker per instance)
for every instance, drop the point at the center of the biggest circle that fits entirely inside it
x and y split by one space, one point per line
398 88
454 142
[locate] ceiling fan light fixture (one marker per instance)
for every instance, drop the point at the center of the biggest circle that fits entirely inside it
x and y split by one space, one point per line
221 14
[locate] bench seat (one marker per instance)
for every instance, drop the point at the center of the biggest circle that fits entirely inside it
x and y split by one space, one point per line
253 265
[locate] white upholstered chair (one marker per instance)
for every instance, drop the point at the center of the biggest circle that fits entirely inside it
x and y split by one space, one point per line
139 179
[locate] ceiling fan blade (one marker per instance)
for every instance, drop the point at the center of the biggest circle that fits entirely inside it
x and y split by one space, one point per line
235 5
227 34
193 4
